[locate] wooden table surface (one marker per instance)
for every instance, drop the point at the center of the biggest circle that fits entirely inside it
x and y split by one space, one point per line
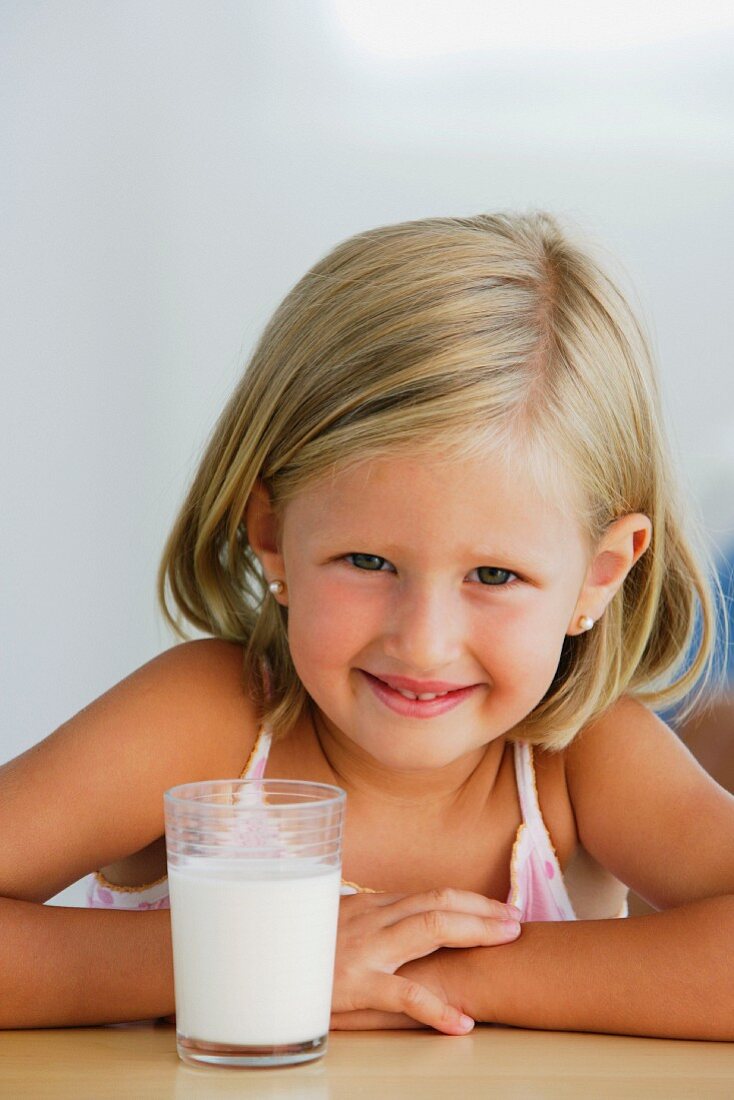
139 1060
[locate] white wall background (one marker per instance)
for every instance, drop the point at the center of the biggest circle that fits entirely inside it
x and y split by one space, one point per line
171 167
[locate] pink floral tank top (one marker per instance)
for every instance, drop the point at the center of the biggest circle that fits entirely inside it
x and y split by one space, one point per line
537 887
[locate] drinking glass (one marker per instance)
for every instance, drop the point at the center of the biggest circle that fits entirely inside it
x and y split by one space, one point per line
254 874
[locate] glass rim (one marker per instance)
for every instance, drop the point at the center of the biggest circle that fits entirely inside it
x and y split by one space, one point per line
333 794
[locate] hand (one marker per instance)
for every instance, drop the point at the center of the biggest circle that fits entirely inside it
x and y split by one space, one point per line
379 933
427 971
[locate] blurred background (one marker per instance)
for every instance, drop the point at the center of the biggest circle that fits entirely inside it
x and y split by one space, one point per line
170 169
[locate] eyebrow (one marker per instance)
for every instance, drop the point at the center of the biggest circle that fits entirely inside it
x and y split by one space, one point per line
521 558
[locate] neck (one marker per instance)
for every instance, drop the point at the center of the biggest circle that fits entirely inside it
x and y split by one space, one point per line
368 781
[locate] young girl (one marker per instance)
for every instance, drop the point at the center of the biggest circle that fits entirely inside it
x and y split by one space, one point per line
438 545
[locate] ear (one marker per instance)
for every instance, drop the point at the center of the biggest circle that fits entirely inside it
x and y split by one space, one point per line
623 542
263 535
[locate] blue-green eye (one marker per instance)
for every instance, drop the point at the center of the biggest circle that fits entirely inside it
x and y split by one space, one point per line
491 575
369 562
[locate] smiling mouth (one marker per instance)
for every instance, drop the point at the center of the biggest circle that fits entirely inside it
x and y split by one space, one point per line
426 695
413 704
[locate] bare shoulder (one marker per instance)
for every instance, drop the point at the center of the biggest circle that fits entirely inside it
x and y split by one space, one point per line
625 727
647 810
98 780
194 702
212 671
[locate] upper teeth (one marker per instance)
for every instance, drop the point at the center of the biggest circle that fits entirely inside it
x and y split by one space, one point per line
426 695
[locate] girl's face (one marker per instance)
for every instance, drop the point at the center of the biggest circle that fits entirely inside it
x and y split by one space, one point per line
457 573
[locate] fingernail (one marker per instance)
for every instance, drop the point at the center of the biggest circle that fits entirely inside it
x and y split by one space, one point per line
511 927
513 909
466 1023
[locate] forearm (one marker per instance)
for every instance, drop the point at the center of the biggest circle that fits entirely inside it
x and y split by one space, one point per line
667 974
62 967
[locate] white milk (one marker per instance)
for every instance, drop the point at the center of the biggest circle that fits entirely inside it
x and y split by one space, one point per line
253 949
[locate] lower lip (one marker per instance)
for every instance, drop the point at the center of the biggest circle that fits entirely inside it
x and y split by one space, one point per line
417 708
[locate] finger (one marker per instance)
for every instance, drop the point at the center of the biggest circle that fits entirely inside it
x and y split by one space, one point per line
419 935
460 901
368 1019
389 993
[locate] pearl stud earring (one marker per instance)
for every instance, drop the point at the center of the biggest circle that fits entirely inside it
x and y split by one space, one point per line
585 622
276 587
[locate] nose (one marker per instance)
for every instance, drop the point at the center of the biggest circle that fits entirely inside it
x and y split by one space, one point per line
425 629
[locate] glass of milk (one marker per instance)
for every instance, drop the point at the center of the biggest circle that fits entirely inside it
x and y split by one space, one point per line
254 874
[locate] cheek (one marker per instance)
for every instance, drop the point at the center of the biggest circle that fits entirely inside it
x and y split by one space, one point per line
328 626
522 646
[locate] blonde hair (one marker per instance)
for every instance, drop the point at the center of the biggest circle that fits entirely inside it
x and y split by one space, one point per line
450 335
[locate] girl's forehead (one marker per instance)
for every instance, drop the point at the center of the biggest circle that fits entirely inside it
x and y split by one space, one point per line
455 478
403 495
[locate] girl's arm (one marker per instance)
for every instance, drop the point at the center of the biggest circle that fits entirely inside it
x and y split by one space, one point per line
648 812
669 975
64 967
87 796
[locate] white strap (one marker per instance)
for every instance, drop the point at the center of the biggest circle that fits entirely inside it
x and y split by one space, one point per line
525 777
